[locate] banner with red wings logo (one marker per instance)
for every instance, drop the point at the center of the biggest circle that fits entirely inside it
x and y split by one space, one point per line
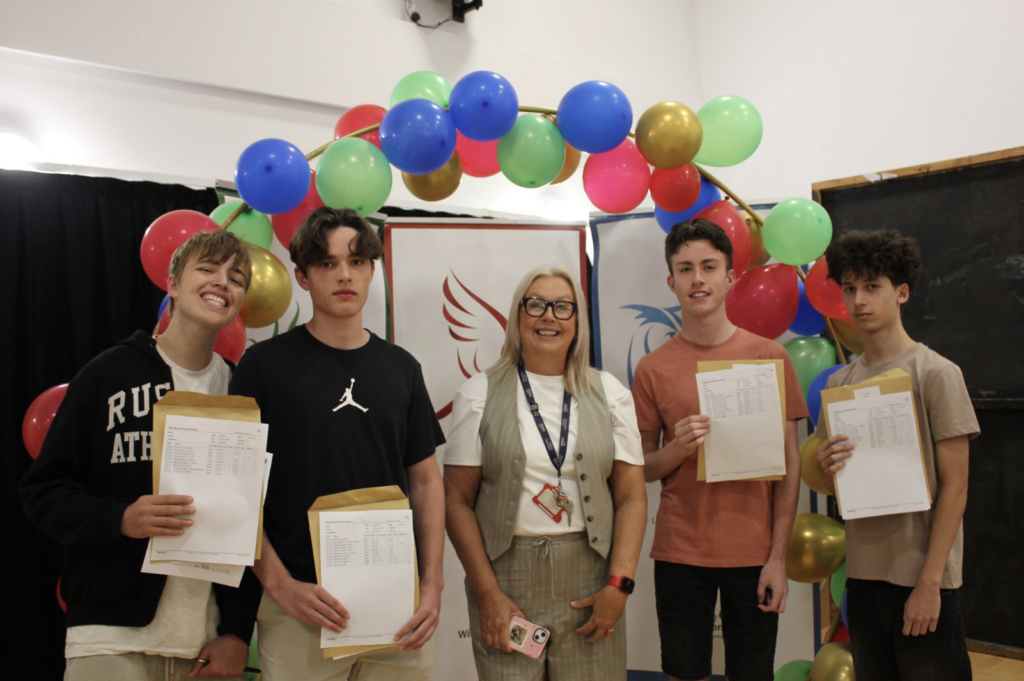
450 286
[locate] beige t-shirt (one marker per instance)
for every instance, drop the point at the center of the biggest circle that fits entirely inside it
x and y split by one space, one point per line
892 548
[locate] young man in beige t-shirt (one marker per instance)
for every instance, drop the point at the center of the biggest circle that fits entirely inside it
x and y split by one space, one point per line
904 571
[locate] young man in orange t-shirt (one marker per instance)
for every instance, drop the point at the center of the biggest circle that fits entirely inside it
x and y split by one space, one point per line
724 537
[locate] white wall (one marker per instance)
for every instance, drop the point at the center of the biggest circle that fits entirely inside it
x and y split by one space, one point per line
853 88
208 78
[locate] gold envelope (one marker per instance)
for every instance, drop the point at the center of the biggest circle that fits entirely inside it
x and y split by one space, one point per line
181 403
725 364
390 498
888 383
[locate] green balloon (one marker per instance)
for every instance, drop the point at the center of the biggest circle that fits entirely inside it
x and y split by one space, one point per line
810 357
532 153
732 131
353 173
837 584
251 226
797 231
797 670
422 85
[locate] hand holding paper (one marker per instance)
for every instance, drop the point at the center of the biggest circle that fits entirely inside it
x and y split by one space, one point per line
152 515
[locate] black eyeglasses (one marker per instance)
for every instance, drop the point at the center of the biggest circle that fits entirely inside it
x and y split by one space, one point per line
536 307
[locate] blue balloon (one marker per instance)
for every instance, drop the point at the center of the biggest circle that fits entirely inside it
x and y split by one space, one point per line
272 176
814 392
163 306
708 194
842 608
595 116
484 106
417 136
809 321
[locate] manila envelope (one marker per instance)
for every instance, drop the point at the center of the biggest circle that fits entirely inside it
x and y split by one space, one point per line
390 498
892 381
724 364
180 403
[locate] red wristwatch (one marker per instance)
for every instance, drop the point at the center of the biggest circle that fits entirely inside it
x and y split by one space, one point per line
624 584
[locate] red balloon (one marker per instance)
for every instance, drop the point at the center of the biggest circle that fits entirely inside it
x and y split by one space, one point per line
39 416
617 181
359 117
824 294
764 300
479 159
230 343
165 235
675 189
60 599
723 214
842 635
285 224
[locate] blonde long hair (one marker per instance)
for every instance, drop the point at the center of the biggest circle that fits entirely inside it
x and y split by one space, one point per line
578 374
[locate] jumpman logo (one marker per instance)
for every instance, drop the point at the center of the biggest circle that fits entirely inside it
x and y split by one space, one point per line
347 400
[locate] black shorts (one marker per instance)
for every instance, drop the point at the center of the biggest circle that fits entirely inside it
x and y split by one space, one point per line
880 650
685 597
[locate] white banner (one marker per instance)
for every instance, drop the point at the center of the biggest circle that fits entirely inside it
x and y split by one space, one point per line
450 286
634 313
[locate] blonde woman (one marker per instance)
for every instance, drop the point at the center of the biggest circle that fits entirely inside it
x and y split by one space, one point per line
545 494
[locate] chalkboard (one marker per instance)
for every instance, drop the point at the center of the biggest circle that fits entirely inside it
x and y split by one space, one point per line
968 218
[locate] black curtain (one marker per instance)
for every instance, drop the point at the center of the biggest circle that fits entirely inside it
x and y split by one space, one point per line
73 286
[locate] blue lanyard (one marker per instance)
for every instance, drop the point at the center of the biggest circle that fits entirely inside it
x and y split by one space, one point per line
557 459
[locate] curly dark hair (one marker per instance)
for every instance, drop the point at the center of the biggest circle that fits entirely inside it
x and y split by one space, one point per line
309 243
697 230
868 255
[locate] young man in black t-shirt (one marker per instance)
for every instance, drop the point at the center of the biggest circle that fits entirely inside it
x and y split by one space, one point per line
347 410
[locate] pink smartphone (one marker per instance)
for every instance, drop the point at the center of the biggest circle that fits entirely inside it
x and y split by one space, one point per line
527 638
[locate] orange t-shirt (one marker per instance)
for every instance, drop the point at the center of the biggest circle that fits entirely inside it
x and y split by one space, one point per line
720 524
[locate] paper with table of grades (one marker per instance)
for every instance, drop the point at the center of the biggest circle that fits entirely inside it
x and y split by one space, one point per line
220 464
228 575
885 475
746 437
366 562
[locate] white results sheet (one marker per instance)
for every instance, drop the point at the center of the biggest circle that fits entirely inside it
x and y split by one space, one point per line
885 475
228 575
746 437
221 465
367 563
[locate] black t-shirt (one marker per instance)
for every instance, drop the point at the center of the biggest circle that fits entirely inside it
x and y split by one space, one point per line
339 420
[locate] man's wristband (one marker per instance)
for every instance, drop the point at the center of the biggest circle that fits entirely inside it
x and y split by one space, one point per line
623 584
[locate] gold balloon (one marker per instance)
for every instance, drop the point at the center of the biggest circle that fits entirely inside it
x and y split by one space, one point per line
437 185
758 255
270 293
834 662
850 336
572 162
810 469
817 548
669 135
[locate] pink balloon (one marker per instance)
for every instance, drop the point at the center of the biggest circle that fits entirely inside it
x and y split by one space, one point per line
675 189
617 181
165 235
723 214
764 300
285 224
359 117
824 294
39 416
479 159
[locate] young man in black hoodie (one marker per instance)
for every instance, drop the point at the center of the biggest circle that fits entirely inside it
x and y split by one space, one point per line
90 489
